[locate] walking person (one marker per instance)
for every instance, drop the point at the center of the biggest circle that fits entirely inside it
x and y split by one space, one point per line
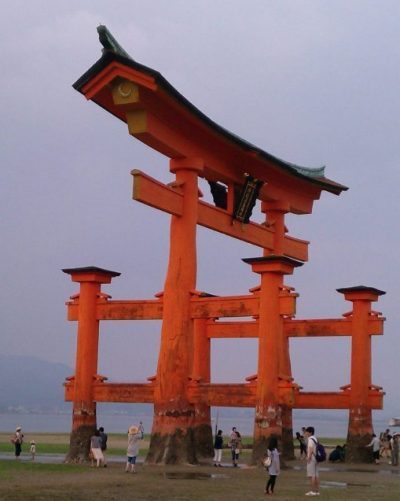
104 438
18 440
312 465
275 466
218 445
134 438
376 447
95 449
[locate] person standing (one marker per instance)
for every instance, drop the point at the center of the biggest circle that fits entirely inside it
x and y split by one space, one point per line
95 449
275 467
141 428
18 440
312 465
376 447
134 438
32 450
302 445
104 438
394 442
218 444
235 442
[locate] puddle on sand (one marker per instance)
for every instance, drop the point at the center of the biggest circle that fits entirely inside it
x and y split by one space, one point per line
193 476
352 470
341 485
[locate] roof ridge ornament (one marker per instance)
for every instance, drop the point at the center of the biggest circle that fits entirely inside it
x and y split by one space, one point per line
109 43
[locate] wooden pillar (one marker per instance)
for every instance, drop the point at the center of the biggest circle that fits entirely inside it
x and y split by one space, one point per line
268 415
201 372
172 439
360 414
275 212
84 406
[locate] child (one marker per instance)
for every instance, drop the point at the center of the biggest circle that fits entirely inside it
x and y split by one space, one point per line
134 437
33 450
275 467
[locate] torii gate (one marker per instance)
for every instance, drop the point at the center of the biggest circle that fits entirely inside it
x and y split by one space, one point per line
238 173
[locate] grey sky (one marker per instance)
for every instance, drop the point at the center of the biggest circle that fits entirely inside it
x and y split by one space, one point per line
313 82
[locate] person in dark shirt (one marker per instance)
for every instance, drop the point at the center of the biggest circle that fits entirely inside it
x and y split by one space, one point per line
104 439
218 444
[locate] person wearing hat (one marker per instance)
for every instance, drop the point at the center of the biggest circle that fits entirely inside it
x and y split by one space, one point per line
17 440
134 438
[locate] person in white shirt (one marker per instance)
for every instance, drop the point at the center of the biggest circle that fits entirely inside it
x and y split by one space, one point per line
376 447
312 465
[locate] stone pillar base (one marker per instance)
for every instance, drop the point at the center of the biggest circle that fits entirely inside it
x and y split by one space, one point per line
287 444
203 441
79 444
356 450
172 448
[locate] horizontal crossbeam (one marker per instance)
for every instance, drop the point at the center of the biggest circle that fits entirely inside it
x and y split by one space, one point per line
122 310
225 395
151 192
227 306
117 392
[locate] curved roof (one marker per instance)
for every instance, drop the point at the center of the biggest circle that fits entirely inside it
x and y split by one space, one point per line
113 52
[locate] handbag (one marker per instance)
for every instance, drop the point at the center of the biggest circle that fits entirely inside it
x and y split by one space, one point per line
267 461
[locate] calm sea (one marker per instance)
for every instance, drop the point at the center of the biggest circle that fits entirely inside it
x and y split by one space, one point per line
325 424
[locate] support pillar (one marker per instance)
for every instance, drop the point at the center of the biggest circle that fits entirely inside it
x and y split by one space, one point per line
275 218
360 414
268 415
201 373
84 407
173 439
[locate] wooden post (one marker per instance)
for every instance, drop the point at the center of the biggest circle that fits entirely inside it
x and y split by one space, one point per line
275 219
172 439
201 373
84 406
268 415
360 414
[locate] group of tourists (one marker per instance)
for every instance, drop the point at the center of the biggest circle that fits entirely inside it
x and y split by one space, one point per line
234 444
18 439
98 447
386 446
310 450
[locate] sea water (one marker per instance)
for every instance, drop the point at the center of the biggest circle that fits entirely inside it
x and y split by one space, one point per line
326 424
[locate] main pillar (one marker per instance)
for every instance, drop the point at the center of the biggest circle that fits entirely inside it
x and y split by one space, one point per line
360 414
84 407
173 432
268 412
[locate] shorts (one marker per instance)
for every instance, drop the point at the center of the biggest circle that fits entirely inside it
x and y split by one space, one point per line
312 469
132 459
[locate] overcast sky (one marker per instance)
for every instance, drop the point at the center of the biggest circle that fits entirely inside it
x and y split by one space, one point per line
313 82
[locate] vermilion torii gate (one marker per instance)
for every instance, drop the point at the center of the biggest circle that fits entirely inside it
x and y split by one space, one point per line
238 173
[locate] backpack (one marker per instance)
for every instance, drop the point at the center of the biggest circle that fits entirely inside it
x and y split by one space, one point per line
320 453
